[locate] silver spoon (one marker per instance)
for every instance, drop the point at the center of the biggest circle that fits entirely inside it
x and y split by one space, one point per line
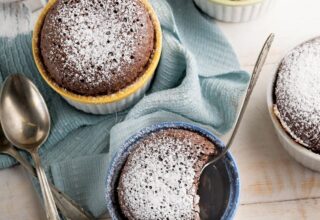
214 176
26 123
67 206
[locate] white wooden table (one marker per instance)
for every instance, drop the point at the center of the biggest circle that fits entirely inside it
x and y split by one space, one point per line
273 186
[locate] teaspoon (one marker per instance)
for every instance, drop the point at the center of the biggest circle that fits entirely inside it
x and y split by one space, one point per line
214 176
26 123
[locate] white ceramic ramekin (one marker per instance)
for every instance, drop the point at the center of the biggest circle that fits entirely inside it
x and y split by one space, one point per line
104 104
234 10
297 151
111 107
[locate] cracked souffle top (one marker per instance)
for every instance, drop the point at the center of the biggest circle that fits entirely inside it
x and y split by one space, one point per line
96 47
160 177
297 94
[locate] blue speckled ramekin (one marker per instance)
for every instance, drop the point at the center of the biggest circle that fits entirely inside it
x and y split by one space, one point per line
120 158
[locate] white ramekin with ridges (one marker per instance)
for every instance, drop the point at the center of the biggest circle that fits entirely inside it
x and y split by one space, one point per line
301 154
234 10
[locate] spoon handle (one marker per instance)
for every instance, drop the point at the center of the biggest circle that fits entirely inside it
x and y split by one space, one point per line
257 69
67 206
254 78
50 206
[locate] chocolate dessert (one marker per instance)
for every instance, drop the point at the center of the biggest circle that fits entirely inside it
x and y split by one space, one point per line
94 47
161 175
297 94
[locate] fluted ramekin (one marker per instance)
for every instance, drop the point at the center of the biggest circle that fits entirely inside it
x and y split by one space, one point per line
301 154
234 10
104 104
228 168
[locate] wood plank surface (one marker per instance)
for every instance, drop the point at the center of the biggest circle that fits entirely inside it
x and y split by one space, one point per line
273 185
18 200
285 210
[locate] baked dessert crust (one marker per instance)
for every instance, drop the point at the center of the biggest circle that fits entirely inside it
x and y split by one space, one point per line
93 47
296 94
161 175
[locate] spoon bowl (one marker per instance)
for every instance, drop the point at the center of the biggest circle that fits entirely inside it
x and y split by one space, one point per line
24 113
219 188
25 122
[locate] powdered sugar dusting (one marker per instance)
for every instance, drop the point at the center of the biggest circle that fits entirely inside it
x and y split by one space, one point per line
297 94
100 38
160 178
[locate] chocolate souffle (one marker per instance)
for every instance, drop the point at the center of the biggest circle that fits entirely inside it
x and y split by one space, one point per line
297 94
96 47
160 177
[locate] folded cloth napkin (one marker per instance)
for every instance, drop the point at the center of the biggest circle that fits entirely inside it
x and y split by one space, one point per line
198 80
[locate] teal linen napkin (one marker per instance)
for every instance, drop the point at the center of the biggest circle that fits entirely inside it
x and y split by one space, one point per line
198 80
